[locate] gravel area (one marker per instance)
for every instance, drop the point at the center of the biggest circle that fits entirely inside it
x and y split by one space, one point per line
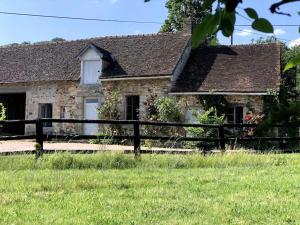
17 146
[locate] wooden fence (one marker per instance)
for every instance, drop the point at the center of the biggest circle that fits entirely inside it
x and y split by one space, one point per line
40 137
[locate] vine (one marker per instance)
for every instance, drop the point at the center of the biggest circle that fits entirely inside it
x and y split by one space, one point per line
216 101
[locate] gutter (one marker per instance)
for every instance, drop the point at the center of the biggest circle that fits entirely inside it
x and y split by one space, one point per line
135 78
220 93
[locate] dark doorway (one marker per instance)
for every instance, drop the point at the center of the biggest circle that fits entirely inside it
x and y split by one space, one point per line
15 110
132 109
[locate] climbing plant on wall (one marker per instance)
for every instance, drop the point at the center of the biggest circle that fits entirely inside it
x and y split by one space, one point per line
216 101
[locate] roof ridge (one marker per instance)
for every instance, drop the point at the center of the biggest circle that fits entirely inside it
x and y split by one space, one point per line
46 43
239 45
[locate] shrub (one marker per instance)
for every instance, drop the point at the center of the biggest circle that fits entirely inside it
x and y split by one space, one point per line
164 109
168 109
207 117
110 110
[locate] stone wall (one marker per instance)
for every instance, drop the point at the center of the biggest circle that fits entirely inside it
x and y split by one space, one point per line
67 94
250 103
71 95
143 88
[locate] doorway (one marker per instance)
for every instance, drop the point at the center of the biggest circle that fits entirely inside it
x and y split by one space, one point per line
91 113
15 110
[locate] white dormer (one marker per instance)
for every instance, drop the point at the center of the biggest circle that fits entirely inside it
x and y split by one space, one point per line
91 64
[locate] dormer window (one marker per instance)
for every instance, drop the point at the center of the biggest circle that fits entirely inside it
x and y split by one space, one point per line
91 71
92 62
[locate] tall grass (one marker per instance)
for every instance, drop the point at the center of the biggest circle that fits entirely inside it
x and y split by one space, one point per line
64 161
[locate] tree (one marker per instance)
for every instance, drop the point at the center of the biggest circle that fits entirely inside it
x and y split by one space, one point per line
283 107
179 10
262 40
223 18
57 39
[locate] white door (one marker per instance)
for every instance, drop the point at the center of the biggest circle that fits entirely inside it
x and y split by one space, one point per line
91 113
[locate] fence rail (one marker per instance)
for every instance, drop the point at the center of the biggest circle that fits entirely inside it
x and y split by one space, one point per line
137 137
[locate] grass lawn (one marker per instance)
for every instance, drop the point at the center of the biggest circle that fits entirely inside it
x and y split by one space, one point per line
160 189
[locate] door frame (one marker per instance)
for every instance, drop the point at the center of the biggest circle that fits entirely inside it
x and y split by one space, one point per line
84 109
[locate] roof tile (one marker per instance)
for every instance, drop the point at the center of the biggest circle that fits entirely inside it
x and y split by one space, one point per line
240 68
136 55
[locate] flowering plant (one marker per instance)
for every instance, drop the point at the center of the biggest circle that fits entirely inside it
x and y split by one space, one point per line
252 118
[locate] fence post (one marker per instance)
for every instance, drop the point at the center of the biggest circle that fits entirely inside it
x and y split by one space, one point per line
39 137
136 139
221 137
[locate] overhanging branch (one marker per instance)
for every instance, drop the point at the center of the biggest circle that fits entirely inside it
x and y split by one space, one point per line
276 6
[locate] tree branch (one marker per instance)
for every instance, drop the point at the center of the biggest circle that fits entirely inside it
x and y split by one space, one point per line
275 7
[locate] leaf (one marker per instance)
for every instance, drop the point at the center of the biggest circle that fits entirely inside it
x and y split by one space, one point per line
227 23
207 4
292 63
251 13
207 27
263 25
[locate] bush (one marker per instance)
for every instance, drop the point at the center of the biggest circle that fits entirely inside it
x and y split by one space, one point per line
164 109
109 110
208 117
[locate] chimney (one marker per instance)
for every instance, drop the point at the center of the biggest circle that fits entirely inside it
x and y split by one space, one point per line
187 26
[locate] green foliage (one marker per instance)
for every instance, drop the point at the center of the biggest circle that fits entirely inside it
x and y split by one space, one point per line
57 39
204 29
263 25
283 108
38 150
292 63
98 161
261 40
217 101
224 20
227 23
109 110
2 112
251 13
109 160
207 117
179 10
165 109
168 109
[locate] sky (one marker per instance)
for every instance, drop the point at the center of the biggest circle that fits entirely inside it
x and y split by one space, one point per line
16 29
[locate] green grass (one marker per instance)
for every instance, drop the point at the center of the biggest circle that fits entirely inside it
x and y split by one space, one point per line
158 189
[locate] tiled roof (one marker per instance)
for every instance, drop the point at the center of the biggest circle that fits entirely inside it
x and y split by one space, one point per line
241 68
136 55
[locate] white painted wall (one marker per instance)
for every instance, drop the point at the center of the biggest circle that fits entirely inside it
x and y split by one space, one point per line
90 54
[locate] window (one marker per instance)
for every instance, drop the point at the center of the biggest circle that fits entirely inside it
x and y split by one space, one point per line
235 114
91 71
45 111
132 109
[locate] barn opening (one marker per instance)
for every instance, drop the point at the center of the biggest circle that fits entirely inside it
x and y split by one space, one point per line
15 110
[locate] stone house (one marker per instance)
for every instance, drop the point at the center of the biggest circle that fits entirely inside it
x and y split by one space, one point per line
71 79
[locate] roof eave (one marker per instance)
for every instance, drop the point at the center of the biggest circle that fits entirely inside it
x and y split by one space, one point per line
221 93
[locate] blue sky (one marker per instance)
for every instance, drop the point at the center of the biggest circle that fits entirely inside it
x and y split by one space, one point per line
19 29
